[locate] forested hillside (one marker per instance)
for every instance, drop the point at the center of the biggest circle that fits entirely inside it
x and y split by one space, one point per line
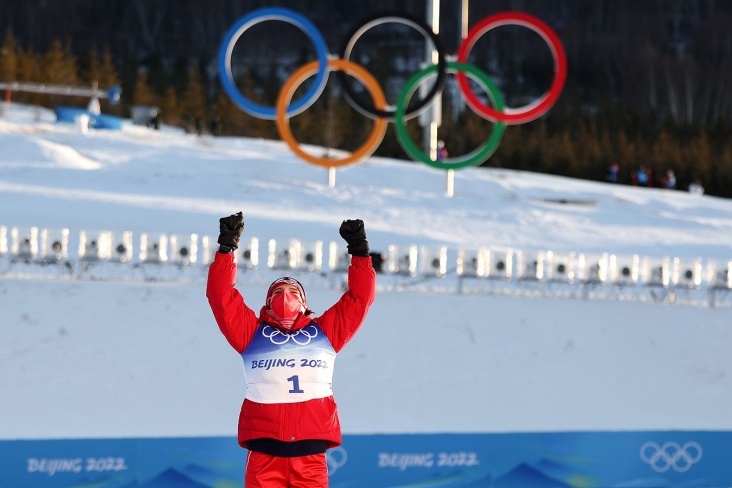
647 80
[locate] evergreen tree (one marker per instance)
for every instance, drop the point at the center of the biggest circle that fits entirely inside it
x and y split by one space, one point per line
9 58
237 122
60 67
226 113
169 109
103 75
591 160
29 69
143 94
272 85
665 154
722 172
193 101
91 74
109 78
626 155
699 158
315 125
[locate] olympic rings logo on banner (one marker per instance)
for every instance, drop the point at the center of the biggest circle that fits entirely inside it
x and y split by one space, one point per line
671 455
335 458
378 109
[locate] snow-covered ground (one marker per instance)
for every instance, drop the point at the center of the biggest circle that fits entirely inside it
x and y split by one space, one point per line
130 357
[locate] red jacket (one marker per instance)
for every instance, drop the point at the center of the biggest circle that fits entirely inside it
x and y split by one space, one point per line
313 419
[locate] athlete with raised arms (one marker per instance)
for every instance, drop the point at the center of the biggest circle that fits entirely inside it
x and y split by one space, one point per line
289 417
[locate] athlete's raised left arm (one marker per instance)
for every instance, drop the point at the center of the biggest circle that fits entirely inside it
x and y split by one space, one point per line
341 321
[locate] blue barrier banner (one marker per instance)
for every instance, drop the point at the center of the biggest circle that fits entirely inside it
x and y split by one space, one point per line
96 121
533 460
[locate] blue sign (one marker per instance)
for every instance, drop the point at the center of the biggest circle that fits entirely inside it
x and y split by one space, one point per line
532 460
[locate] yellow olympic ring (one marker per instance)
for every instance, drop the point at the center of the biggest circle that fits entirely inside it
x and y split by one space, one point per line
309 69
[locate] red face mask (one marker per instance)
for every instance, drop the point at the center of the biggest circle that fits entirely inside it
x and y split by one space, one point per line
286 305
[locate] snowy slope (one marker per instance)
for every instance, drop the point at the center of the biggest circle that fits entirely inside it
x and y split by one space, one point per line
83 358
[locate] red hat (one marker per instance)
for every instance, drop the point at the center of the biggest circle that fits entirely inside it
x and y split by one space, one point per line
286 280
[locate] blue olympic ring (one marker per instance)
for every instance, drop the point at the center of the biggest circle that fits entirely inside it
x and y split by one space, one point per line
233 35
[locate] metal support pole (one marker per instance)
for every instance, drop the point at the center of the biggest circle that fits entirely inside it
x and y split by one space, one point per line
463 35
112 94
450 174
430 119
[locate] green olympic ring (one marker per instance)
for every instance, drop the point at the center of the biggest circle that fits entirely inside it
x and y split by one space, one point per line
478 155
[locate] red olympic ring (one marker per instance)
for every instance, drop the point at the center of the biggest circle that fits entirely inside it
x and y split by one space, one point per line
535 109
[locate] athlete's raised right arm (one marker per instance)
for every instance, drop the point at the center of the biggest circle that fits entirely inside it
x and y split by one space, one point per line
235 319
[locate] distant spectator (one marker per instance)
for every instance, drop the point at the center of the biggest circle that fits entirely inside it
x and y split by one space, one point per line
155 122
441 151
188 123
200 125
670 180
643 176
696 188
612 173
216 126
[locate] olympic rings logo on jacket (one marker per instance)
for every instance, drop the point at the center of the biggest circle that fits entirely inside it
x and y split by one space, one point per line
301 337
378 110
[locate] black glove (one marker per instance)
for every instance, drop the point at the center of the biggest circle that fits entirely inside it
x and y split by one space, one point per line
354 234
230 229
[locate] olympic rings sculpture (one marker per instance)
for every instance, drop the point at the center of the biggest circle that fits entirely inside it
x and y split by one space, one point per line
378 109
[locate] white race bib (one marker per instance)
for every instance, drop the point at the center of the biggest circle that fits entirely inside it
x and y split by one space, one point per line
288 367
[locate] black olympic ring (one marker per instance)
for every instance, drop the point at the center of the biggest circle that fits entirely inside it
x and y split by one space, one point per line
367 23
